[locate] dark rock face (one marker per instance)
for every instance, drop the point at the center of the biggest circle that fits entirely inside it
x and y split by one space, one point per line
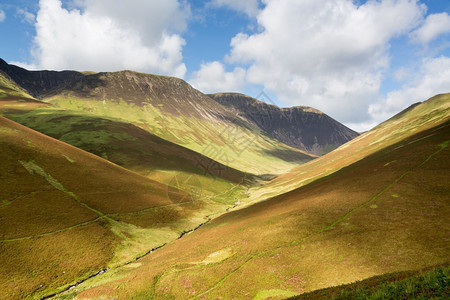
38 83
171 95
302 127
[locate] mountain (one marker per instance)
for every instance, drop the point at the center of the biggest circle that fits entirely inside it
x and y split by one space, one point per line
125 144
301 127
165 107
377 205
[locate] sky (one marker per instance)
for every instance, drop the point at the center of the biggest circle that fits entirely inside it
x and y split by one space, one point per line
358 61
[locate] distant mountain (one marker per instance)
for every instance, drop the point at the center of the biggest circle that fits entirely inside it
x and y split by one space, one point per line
302 127
166 107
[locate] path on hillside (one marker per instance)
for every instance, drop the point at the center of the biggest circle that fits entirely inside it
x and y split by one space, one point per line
103 216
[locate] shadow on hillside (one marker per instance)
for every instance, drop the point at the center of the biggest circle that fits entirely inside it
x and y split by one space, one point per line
289 155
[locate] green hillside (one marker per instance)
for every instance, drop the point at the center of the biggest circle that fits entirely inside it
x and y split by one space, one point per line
384 212
171 109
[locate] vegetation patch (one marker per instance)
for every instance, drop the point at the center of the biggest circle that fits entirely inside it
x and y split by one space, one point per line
273 294
32 168
219 256
429 284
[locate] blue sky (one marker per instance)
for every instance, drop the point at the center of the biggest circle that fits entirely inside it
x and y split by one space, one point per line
358 61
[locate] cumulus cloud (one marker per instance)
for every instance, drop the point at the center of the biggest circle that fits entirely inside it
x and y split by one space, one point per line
434 25
2 16
328 54
105 35
212 78
433 77
250 7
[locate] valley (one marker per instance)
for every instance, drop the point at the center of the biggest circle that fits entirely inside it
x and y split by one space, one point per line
130 185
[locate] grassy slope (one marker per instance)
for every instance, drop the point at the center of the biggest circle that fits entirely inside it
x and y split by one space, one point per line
386 212
127 145
55 198
8 88
173 110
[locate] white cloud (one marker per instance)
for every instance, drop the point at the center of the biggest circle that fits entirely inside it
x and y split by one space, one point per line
250 7
328 54
435 25
2 16
431 79
24 65
26 16
105 35
212 78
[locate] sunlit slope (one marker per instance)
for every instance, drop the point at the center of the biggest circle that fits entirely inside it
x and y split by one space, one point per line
171 109
387 212
8 88
66 214
127 145
417 118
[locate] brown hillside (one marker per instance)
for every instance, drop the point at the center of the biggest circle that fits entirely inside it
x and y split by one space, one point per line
57 199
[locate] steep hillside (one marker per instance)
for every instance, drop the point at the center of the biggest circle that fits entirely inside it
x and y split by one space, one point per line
386 211
414 119
129 146
302 127
67 214
170 109
37 83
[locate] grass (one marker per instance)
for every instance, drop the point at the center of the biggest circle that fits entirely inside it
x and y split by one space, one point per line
273 294
425 284
9 88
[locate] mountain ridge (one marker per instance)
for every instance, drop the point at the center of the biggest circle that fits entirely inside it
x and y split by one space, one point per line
303 127
173 110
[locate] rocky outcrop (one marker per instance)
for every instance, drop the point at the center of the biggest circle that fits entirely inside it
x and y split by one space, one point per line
38 83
